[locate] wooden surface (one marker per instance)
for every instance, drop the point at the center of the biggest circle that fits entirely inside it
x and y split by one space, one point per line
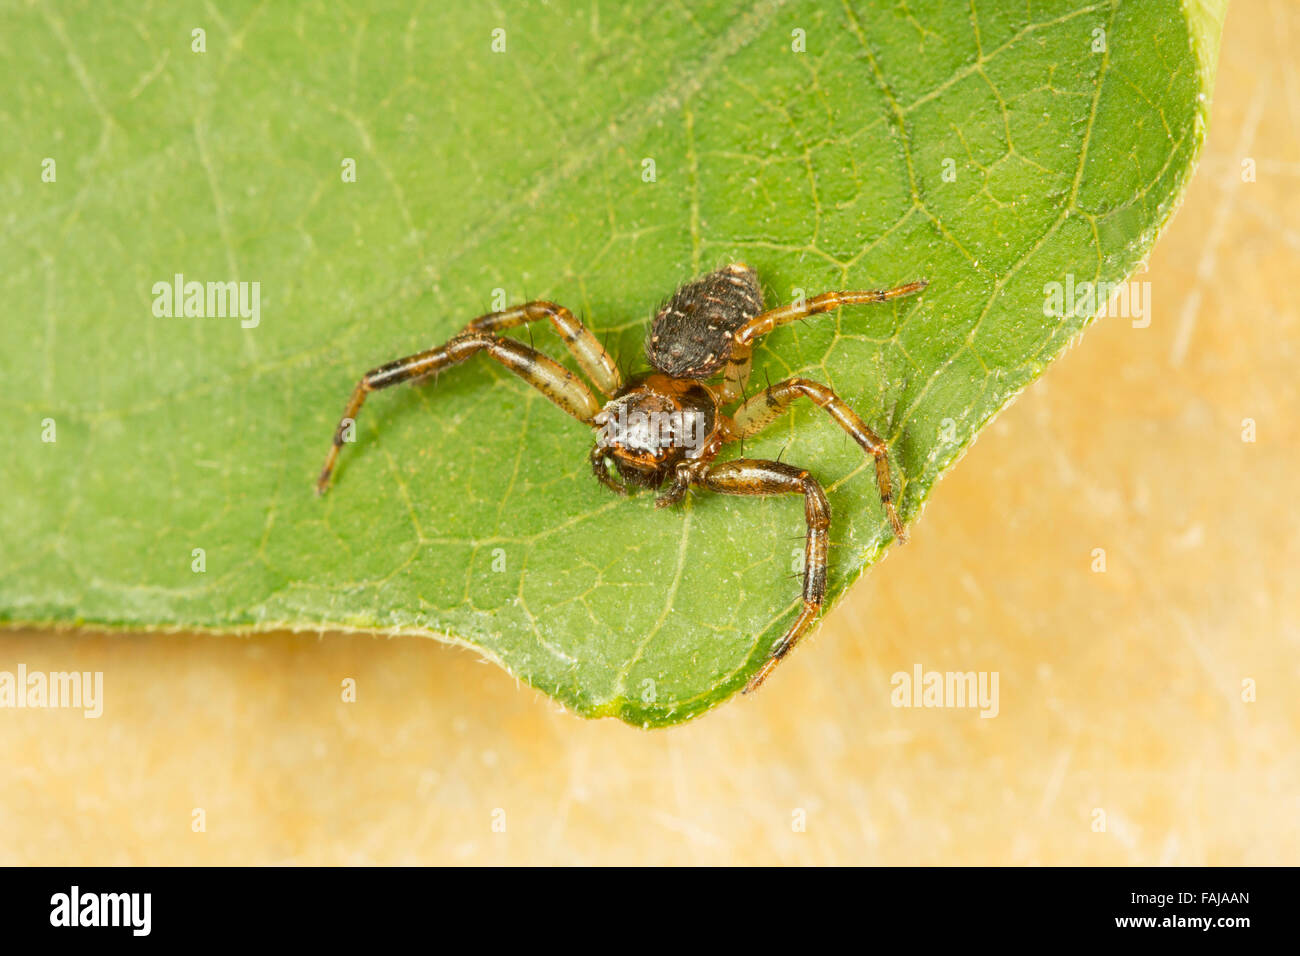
1119 691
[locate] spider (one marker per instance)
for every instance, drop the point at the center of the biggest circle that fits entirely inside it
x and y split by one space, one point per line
664 429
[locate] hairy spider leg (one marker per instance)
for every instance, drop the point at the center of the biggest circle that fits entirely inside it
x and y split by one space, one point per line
764 407
737 373
738 366
546 375
578 339
753 476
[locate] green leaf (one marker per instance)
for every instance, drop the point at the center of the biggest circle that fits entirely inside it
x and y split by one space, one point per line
992 149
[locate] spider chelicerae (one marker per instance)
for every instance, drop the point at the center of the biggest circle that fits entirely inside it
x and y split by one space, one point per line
664 429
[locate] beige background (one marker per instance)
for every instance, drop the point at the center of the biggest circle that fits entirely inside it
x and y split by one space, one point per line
1119 690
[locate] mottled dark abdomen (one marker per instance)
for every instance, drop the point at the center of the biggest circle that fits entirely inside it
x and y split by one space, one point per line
691 334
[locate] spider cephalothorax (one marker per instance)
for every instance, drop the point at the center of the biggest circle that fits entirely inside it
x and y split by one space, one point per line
668 426
652 425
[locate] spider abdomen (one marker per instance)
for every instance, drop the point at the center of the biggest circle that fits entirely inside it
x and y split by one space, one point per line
691 336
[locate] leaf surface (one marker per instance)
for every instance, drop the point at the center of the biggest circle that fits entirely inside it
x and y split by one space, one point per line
993 149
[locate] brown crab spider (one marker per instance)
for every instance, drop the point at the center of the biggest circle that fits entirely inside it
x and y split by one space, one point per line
663 429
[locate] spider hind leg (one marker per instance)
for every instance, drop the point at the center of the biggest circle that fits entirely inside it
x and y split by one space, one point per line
762 324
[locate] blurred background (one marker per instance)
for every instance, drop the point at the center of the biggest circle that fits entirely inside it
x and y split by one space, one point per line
1148 713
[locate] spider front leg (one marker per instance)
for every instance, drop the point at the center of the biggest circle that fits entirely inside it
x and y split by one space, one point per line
763 408
546 375
578 339
749 476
